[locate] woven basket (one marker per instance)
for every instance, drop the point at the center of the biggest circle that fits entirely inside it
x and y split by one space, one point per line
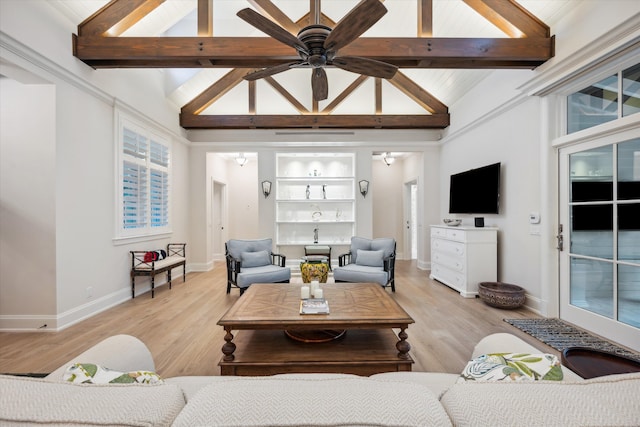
501 295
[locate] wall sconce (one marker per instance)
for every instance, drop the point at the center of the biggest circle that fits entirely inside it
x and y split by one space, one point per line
266 188
387 159
241 159
364 187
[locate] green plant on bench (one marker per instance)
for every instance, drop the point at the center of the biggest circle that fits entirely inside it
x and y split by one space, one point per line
150 263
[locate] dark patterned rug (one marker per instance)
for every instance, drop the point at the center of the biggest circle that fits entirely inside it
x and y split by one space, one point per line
560 335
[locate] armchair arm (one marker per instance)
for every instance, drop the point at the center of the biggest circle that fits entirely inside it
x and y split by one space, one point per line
233 267
278 259
344 259
390 266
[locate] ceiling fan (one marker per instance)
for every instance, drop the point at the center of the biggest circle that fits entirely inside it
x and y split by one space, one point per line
318 45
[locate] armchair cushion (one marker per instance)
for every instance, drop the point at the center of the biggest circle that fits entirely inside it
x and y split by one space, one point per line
236 247
361 273
264 274
385 244
370 258
255 259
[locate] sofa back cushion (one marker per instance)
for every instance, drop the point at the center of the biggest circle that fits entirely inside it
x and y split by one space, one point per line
610 401
236 246
34 401
313 402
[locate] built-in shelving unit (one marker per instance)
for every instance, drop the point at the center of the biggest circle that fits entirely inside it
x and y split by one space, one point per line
315 197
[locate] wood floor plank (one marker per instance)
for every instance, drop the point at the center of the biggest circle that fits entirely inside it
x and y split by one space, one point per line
179 326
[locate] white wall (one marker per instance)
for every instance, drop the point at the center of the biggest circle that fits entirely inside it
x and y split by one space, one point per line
387 190
27 202
86 270
511 139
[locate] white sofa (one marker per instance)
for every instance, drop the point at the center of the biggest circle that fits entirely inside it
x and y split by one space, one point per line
388 399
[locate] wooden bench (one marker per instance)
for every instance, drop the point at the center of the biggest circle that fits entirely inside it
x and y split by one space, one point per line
141 266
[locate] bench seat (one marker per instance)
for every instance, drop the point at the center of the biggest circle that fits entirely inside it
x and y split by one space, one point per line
141 266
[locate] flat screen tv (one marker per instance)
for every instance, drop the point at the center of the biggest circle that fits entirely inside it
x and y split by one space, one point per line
476 191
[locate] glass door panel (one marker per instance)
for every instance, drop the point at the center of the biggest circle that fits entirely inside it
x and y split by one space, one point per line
600 266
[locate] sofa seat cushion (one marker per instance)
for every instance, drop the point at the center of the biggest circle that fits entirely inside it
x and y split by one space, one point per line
264 274
173 259
437 382
272 401
604 401
361 273
30 401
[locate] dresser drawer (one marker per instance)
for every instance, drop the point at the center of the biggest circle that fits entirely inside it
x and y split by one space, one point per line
450 277
453 249
456 234
452 263
438 232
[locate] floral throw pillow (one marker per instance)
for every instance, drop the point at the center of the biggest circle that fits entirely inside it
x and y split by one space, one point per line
88 373
512 367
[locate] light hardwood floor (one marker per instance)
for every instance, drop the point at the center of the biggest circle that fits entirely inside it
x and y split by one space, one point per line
179 326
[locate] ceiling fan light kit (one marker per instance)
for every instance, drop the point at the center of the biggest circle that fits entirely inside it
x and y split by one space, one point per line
318 46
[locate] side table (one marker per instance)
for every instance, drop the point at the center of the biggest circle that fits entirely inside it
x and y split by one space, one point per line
316 249
314 267
591 363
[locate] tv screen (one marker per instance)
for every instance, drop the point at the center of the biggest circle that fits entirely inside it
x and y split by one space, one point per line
476 191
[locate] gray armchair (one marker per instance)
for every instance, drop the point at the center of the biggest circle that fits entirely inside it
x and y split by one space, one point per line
251 261
369 260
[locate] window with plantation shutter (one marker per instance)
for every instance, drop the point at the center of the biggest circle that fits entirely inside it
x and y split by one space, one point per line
143 196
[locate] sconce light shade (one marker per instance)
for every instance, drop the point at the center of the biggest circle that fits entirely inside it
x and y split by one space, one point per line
387 159
241 159
266 188
364 187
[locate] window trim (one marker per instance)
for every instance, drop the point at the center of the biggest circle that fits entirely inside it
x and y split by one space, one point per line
152 133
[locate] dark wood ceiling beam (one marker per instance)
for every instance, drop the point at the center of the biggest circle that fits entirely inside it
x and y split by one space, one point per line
434 121
271 11
205 18
282 91
418 94
255 52
425 18
378 95
511 18
214 92
117 16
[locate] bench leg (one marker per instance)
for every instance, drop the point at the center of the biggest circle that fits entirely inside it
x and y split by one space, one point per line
169 277
153 285
133 286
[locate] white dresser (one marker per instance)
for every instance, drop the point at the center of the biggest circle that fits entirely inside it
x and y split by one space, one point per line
462 257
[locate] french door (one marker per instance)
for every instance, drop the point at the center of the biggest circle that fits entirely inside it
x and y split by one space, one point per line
600 252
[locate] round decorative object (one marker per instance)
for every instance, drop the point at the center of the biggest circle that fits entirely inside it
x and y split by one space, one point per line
452 222
501 295
313 336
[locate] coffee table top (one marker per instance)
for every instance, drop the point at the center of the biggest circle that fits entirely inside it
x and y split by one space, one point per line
351 305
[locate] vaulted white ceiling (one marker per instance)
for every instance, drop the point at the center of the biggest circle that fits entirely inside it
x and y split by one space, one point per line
451 18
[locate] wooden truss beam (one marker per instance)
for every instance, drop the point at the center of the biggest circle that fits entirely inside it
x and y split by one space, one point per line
387 121
116 17
259 52
511 18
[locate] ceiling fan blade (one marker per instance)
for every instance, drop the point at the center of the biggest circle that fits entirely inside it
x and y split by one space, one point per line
270 71
354 23
272 29
366 66
319 84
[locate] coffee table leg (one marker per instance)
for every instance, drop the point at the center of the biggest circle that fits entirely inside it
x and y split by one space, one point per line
229 347
403 346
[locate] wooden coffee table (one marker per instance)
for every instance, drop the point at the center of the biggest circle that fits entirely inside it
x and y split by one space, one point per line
265 311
